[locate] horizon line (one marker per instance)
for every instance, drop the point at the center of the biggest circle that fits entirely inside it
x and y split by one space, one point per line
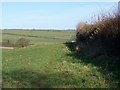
32 29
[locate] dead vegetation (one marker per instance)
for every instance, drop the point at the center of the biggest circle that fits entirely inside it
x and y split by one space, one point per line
103 33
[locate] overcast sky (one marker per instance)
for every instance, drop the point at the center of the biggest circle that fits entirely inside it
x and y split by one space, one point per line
51 15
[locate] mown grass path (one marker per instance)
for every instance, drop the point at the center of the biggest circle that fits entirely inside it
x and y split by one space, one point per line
49 65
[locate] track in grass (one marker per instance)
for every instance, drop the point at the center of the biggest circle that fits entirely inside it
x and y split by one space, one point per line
48 65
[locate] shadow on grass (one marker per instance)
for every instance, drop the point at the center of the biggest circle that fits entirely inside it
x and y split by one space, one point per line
22 79
29 79
108 66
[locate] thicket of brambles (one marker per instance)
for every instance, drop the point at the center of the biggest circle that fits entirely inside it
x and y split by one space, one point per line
104 33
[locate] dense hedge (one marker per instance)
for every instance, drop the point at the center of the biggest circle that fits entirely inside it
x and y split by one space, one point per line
105 32
7 43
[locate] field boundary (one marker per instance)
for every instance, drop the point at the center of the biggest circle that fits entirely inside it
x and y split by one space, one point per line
35 36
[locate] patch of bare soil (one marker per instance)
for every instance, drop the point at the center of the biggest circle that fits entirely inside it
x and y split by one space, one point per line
6 48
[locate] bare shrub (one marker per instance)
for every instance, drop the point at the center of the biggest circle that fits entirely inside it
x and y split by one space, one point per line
22 42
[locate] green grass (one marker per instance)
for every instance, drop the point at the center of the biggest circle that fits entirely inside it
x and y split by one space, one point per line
54 64
41 33
47 66
64 34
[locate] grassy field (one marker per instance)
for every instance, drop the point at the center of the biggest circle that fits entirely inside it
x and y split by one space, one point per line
38 36
53 63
